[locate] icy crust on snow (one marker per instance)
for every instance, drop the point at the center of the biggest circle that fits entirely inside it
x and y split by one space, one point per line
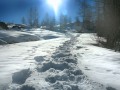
12 36
99 64
59 72
9 37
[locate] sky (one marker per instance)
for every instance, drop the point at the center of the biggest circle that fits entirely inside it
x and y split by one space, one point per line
14 10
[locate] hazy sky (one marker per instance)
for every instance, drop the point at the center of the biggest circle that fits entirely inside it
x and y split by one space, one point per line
13 10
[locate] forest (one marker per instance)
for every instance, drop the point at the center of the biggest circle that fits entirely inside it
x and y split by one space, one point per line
102 16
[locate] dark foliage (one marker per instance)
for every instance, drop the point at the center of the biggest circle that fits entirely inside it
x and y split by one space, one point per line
3 25
108 23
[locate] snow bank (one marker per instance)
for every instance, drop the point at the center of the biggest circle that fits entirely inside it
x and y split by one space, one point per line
99 64
11 36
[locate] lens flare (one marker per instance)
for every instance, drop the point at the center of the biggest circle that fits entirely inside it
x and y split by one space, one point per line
55 4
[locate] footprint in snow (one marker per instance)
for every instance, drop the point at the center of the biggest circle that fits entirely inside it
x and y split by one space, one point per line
39 58
116 73
56 66
108 70
110 88
21 76
26 87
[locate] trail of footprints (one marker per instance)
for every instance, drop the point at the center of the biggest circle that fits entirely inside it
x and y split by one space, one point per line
64 68
64 73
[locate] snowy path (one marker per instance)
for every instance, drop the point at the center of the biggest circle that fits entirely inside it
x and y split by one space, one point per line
16 57
68 62
59 72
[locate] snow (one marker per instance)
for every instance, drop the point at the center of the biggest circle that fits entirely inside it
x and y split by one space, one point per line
12 36
56 61
55 71
9 37
19 56
99 64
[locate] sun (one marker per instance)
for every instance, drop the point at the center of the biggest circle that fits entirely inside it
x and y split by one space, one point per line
55 4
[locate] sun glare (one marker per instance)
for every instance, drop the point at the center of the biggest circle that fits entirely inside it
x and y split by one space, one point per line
55 4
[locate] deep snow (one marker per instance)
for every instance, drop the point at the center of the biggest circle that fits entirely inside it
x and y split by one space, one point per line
57 61
19 56
99 64
58 72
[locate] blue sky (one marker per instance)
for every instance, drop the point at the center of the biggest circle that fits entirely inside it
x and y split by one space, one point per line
13 10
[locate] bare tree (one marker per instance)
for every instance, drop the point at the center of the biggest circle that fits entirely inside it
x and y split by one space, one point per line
86 12
23 20
33 19
63 22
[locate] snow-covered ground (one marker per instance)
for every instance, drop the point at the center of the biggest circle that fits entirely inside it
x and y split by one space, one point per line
15 57
57 61
12 36
59 71
99 64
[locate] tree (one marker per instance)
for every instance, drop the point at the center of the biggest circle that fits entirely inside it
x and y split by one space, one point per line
63 22
78 25
30 19
109 26
52 23
36 18
23 20
33 18
112 22
70 22
86 12
47 20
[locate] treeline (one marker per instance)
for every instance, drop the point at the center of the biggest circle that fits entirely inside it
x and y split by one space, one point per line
102 16
48 21
32 18
51 23
87 13
108 23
